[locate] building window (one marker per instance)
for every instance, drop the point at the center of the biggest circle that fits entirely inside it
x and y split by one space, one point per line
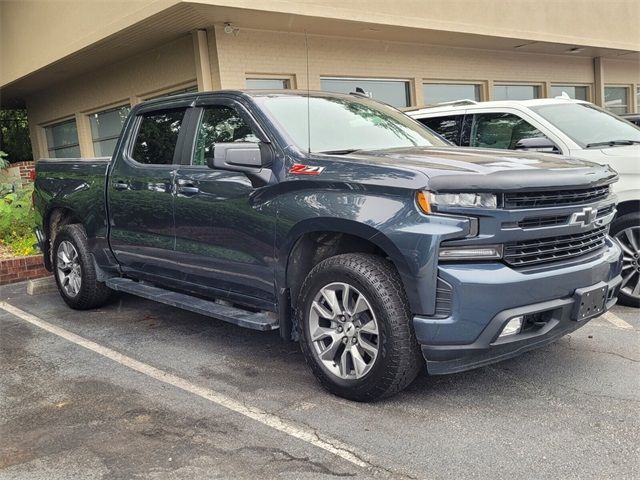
268 83
105 129
393 92
62 140
516 92
576 92
449 92
616 99
191 89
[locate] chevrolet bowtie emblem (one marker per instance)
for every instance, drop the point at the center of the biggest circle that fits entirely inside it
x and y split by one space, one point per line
586 217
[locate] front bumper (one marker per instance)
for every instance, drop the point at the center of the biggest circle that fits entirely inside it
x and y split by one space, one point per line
486 296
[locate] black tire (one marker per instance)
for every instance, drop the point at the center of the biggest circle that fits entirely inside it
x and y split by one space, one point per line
399 359
91 293
631 256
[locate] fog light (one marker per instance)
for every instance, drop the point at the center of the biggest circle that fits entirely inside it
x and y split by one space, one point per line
512 327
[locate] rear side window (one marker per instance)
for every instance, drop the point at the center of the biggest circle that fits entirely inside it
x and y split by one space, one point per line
449 127
157 136
500 130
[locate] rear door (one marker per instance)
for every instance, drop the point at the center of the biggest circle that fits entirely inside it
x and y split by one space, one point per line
140 193
224 229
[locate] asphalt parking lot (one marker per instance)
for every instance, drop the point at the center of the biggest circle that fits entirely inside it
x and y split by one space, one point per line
140 390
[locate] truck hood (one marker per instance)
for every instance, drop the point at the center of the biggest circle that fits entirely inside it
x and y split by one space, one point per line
455 168
627 151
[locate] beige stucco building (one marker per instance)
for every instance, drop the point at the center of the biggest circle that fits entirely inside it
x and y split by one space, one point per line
78 65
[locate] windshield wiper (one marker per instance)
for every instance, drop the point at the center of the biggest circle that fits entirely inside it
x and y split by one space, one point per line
612 143
346 151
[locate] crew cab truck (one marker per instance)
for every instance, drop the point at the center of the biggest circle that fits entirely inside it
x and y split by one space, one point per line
341 222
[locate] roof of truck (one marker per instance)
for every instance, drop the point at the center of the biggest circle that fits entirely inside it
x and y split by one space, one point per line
465 104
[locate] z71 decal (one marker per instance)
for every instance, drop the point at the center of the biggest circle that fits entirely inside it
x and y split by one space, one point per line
300 169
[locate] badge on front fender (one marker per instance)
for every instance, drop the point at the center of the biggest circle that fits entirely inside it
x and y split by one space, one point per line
301 169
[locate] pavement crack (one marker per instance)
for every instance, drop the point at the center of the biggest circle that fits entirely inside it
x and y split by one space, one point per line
604 353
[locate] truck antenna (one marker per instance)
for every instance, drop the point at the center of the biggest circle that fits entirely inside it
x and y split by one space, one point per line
306 44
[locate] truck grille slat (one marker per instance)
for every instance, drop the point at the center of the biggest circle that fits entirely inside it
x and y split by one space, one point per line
535 222
534 252
555 198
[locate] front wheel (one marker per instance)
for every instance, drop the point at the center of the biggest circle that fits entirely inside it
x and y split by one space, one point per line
356 330
75 272
626 230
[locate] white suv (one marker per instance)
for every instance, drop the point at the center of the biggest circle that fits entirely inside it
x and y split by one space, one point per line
557 125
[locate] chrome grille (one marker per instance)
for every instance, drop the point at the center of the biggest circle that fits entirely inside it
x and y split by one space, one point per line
555 198
549 221
552 249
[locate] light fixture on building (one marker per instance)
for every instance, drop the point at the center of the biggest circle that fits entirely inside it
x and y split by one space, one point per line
230 28
574 50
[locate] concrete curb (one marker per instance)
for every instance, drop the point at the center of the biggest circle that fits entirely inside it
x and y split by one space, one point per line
41 285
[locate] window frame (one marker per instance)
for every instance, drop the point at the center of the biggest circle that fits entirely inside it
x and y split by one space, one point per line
628 105
538 85
569 84
289 78
477 83
56 123
109 109
187 87
406 81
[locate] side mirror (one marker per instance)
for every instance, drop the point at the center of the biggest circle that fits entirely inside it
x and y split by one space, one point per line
538 144
252 159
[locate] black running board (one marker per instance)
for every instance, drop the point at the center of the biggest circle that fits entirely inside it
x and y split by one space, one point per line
237 316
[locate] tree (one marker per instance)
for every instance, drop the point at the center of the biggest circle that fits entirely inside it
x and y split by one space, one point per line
14 135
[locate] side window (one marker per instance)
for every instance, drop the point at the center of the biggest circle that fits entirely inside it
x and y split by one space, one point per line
449 127
500 130
220 124
157 137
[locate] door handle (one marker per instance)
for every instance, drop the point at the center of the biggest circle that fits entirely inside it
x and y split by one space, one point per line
120 185
188 189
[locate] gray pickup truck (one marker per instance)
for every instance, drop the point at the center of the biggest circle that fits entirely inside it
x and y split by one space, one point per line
341 222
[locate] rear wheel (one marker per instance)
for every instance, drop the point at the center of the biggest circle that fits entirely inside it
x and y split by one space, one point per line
626 230
356 331
75 272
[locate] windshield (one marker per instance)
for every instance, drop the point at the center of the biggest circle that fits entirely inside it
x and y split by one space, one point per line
587 124
342 125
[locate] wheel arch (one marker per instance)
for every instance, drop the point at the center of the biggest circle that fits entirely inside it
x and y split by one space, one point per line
314 240
53 220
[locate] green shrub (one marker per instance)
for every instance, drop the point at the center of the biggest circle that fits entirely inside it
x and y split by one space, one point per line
17 221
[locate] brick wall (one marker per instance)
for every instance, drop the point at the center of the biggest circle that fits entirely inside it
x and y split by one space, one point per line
23 268
25 169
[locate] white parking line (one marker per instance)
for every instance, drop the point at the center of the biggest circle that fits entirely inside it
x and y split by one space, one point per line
615 320
269 419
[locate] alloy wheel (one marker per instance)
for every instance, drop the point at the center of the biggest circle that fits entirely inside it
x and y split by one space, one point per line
344 331
69 269
629 241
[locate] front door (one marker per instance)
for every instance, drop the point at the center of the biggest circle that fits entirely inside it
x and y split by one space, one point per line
140 196
224 228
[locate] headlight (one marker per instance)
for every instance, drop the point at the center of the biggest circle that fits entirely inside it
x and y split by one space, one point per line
465 200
